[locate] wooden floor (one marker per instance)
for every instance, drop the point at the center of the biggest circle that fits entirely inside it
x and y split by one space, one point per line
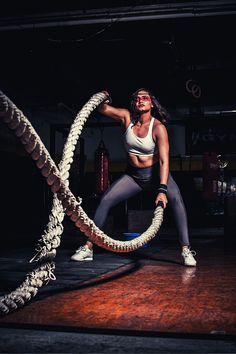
147 292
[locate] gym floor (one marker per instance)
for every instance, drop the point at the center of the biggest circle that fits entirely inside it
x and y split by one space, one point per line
140 302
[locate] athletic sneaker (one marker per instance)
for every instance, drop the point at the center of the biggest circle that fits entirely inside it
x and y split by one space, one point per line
83 253
188 257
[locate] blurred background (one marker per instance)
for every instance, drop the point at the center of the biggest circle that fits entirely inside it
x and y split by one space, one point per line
55 56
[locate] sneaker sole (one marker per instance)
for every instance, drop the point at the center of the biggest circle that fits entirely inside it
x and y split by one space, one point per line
190 265
82 260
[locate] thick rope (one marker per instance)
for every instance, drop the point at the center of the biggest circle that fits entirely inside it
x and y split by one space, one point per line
64 201
28 289
50 240
58 180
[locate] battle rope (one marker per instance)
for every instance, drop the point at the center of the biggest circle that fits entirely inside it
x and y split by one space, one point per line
64 201
28 289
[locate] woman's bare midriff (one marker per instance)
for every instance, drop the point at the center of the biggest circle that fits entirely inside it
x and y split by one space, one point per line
142 161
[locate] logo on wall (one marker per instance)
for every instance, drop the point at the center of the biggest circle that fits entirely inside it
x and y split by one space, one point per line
193 88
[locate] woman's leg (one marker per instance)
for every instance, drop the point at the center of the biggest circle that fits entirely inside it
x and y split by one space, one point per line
125 187
176 202
180 216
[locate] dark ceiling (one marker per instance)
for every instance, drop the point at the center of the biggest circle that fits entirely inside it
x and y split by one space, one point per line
64 53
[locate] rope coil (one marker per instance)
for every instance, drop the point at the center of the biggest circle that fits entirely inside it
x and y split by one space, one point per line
64 202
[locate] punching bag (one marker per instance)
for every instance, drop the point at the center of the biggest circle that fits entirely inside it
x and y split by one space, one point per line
210 176
101 168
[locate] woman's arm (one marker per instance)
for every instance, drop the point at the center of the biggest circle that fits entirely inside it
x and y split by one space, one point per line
163 148
120 114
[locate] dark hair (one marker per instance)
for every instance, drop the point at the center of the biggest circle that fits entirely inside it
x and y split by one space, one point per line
158 111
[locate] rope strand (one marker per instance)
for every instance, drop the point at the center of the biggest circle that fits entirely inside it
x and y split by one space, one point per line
64 202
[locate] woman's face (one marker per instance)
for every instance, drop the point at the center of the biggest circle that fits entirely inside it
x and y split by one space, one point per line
143 102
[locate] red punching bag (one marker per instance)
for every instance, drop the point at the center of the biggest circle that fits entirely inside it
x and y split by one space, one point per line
101 168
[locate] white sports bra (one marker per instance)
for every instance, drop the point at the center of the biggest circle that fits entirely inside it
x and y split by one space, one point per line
140 146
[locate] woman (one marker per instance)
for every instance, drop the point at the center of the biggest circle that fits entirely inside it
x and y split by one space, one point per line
147 146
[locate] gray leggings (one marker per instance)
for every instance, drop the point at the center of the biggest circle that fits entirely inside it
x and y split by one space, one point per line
131 184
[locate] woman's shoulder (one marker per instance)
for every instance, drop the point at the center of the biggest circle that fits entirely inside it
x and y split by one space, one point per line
158 126
157 123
